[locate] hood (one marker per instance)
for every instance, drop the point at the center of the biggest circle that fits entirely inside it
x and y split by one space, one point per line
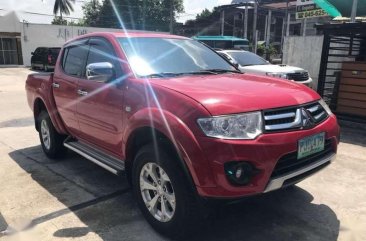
271 68
236 93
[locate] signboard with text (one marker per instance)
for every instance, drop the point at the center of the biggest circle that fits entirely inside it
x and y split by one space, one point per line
308 9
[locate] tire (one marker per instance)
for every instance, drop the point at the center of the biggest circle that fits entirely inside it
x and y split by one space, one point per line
51 141
188 210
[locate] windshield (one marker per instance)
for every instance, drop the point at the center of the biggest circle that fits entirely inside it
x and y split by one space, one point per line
247 58
156 56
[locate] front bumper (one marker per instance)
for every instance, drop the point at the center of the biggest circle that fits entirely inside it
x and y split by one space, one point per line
263 153
307 82
297 176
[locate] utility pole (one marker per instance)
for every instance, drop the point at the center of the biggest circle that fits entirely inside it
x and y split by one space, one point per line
354 11
287 18
171 16
246 22
268 36
222 22
255 25
285 28
143 14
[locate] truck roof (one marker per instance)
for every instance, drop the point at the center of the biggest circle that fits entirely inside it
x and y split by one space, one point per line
126 34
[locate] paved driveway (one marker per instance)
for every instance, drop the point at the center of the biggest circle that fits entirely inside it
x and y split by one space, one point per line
42 199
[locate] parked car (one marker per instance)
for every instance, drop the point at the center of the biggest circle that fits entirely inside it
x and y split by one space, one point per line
249 62
181 122
44 58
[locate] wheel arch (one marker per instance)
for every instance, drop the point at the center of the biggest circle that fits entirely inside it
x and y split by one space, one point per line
148 135
38 107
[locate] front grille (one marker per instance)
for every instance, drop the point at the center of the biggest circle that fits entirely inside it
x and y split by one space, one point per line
298 76
289 162
292 118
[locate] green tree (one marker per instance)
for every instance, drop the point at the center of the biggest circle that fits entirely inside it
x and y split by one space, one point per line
91 11
136 14
57 20
204 14
63 7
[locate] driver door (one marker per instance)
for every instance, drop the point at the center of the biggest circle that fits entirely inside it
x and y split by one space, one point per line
100 106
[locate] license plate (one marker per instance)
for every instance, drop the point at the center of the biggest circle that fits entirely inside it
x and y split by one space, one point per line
310 145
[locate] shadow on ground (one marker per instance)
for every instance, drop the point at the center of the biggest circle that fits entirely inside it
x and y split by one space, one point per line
353 136
112 213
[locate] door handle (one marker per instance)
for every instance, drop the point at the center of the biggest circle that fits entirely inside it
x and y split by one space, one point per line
56 85
82 92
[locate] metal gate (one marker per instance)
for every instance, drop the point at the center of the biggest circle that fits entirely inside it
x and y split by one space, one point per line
343 46
10 51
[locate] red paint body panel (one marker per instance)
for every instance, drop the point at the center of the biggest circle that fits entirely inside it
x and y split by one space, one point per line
236 93
173 106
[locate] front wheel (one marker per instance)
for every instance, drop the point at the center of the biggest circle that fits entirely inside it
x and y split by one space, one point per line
52 142
163 194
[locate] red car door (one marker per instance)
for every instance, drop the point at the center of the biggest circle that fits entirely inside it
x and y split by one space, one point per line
65 82
100 102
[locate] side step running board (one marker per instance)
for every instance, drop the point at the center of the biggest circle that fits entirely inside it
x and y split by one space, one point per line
100 158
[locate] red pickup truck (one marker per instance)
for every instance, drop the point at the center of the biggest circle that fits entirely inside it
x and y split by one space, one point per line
182 122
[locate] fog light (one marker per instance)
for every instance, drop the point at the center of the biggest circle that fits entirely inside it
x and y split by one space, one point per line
239 173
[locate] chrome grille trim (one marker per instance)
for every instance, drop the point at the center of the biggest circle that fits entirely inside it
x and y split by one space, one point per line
298 76
294 124
314 108
291 118
279 116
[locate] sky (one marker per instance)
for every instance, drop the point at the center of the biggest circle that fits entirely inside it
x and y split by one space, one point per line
45 7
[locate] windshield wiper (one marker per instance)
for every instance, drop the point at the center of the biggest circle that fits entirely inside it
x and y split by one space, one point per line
204 71
161 75
219 71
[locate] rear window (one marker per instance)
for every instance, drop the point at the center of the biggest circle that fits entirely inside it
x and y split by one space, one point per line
247 58
55 50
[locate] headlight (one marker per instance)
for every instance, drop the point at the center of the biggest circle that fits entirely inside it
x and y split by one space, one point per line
278 75
241 126
325 107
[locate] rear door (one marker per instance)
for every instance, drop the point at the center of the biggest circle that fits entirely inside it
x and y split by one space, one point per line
65 81
99 111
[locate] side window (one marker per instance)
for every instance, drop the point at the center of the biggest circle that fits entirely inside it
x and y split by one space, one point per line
42 51
74 60
100 51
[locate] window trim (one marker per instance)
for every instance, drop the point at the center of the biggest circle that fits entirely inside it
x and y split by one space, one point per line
78 42
115 63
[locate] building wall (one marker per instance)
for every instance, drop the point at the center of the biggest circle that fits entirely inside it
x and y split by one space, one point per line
304 52
45 35
41 35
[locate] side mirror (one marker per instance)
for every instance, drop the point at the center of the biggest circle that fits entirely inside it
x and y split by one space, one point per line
100 72
32 53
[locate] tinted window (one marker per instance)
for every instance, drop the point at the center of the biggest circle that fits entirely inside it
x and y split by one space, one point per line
74 60
54 51
100 51
247 58
167 55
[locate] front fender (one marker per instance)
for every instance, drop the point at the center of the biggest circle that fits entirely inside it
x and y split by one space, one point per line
180 135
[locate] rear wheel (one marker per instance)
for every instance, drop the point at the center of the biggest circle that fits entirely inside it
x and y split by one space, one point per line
163 193
51 141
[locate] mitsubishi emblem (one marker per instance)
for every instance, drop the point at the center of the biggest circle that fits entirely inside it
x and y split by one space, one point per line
308 120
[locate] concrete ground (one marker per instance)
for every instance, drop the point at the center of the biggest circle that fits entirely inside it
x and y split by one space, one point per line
42 199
